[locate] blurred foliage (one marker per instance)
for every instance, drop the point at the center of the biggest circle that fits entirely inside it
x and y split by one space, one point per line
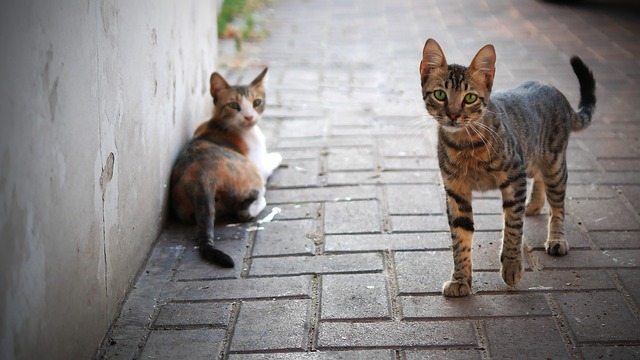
237 20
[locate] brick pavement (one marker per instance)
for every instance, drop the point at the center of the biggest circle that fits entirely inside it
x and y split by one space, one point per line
352 267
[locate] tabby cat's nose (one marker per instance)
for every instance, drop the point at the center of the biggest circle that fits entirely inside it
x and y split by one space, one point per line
249 118
453 116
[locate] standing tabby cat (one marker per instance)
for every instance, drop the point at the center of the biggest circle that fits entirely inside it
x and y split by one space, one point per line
224 168
488 141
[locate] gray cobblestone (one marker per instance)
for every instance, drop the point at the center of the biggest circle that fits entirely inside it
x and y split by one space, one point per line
599 317
174 344
352 217
285 238
284 319
397 334
320 264
354 297
181 314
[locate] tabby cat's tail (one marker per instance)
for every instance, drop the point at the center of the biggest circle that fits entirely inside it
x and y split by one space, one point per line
587 94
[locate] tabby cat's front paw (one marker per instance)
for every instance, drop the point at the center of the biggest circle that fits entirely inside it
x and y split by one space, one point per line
455 288
511 271
556 247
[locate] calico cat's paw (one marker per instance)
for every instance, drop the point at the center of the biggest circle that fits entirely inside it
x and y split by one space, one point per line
511 271
455 288
556 247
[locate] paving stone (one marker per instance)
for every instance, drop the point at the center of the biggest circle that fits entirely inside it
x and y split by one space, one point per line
409 163
610 352
397 334
377 242
599 317
414 199
256 288
631 280
194 267
293 211
438 306
616 239
619 164
632 193
352 217
361 296
608 214
505 342
278 196
384 177
443 354
285 238
351 159
176 344
407 146
284 319
406 223
588 259
319 355
423 271
181 314
297 173
545 281
590 191
319 264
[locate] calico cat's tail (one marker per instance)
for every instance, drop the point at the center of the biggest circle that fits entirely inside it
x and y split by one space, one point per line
205 218
587 94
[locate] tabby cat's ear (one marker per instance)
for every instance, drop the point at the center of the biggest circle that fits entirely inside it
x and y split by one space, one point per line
217 83
485 64
432 58
259 80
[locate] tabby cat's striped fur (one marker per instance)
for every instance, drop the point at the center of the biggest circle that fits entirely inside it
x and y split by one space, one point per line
495 141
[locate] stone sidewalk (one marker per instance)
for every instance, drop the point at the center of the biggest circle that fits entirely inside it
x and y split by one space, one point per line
352 266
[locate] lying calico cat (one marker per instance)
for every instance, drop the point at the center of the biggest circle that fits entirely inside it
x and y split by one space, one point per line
495 141
224 168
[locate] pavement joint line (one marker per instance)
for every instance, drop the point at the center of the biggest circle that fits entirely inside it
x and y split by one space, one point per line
391 278
562 325
482 338
228 335
314 313
626 295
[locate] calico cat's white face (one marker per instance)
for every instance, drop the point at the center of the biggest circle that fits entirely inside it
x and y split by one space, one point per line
238 108
456 96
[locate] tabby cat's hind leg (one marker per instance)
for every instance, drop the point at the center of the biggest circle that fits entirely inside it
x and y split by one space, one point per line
535 203
555 178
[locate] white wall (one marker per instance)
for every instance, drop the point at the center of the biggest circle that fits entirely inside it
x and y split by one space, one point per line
96 98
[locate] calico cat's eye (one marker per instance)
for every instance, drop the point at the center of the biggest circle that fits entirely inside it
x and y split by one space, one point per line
234 106
257 102
439 95
470 98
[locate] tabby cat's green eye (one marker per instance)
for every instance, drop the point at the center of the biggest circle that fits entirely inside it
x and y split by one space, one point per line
470 98
234 106
440 95
257 102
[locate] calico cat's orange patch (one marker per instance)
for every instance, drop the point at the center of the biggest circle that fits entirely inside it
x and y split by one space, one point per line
213 175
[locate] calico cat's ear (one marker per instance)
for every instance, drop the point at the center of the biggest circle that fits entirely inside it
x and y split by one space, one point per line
217 83
259 80
432 58
485 63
